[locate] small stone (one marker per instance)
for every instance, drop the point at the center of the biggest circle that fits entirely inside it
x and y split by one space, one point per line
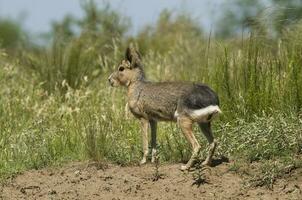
77 173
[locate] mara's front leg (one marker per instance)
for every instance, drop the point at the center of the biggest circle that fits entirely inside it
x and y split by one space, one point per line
153 125
144 127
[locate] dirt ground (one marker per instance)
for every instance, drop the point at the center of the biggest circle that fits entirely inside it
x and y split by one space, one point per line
112 182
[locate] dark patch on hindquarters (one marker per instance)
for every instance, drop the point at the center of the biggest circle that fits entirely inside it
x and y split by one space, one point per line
201 96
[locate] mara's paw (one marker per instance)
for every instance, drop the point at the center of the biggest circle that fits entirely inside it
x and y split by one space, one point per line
207 163
184 167
154 156
143 161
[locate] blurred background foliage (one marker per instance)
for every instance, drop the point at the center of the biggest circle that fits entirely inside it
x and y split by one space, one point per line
12 35
56 105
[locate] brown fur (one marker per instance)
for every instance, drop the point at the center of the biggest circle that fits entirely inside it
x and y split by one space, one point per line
166 101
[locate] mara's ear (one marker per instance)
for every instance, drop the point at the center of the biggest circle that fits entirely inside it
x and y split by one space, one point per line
133 57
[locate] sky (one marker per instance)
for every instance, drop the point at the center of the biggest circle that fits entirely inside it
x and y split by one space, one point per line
37 15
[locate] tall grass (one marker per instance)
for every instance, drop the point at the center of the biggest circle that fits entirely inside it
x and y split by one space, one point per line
56 105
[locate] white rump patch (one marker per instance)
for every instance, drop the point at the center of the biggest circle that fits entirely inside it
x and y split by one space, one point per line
203 114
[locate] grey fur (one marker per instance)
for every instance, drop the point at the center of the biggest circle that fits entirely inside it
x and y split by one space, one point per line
183 102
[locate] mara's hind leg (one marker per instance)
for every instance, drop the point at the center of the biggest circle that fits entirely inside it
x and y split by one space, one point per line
153 125
185 124
207 131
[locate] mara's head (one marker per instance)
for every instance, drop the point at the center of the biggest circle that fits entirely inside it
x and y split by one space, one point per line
129 70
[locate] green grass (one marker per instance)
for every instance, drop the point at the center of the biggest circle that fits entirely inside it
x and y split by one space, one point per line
56 105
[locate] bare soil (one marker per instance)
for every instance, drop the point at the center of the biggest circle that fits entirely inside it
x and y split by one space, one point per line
112 182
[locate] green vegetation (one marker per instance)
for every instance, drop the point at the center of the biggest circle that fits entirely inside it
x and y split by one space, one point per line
11 34
56 105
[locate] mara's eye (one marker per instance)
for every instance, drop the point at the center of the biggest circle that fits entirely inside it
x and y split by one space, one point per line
121 69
